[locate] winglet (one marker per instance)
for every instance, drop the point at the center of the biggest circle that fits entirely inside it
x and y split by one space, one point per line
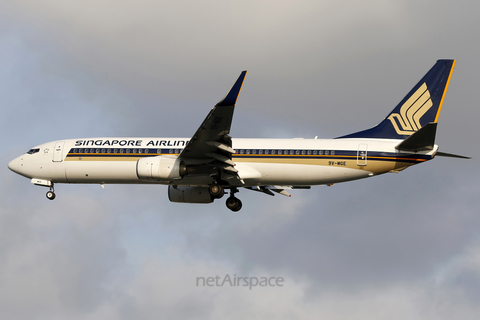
231 97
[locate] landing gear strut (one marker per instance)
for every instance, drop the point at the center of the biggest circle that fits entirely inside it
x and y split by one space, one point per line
233 203
51 193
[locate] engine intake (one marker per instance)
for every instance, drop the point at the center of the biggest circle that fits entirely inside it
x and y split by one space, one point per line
189 194
160 168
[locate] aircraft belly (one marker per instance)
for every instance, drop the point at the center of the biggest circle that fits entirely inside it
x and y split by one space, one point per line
298 174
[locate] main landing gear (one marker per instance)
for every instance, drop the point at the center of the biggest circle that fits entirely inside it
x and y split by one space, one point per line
217 192
51 193
233 203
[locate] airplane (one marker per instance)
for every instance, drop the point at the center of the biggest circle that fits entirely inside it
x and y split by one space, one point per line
201 169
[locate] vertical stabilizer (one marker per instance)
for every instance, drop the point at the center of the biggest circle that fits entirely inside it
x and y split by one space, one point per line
420 106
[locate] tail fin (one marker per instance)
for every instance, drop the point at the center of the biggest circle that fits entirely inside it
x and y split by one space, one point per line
420 106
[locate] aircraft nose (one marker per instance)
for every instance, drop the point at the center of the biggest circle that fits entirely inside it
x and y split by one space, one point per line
14 165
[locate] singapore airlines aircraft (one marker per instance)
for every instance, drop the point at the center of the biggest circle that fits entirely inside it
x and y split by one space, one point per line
200 169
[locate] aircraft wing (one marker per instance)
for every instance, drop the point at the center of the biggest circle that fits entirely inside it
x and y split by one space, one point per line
211 144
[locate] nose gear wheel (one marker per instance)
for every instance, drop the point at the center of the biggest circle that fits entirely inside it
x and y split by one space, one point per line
51 193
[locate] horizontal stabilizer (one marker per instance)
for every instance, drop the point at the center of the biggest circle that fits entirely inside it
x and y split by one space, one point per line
451 155
423 139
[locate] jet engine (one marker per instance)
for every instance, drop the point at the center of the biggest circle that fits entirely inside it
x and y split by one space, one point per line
189 194
160 168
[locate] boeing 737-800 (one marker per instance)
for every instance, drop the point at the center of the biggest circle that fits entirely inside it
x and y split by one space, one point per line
202 168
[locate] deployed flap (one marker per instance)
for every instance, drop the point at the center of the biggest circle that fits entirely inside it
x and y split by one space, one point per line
423 139
261 189
278 189
211 141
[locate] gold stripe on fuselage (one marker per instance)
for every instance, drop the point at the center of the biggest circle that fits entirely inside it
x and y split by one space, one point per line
374 164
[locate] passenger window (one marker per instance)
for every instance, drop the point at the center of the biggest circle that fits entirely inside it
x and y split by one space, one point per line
326 153
260 151
291 151
309 152
314 152
254 151
248 151
332 153
103 150
115 151
297 152
303 151
267 151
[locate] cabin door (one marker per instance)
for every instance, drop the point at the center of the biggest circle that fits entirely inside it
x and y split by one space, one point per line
362 154
58 151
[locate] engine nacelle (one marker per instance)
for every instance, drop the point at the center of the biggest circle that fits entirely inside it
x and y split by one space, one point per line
189 194
160 168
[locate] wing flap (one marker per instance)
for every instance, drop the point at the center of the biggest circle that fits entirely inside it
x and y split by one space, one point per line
277 189
221 146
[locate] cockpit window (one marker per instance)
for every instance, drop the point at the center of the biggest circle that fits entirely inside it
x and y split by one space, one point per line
32 151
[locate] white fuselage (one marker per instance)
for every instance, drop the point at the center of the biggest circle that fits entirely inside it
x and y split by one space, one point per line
293 162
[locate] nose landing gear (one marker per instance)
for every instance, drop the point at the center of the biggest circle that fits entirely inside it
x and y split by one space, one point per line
51 193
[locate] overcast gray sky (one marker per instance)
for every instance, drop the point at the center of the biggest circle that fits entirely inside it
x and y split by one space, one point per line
398 246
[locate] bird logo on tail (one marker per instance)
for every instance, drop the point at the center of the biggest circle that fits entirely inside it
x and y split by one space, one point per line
408 121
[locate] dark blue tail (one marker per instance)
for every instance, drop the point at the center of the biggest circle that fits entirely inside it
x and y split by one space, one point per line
420 106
